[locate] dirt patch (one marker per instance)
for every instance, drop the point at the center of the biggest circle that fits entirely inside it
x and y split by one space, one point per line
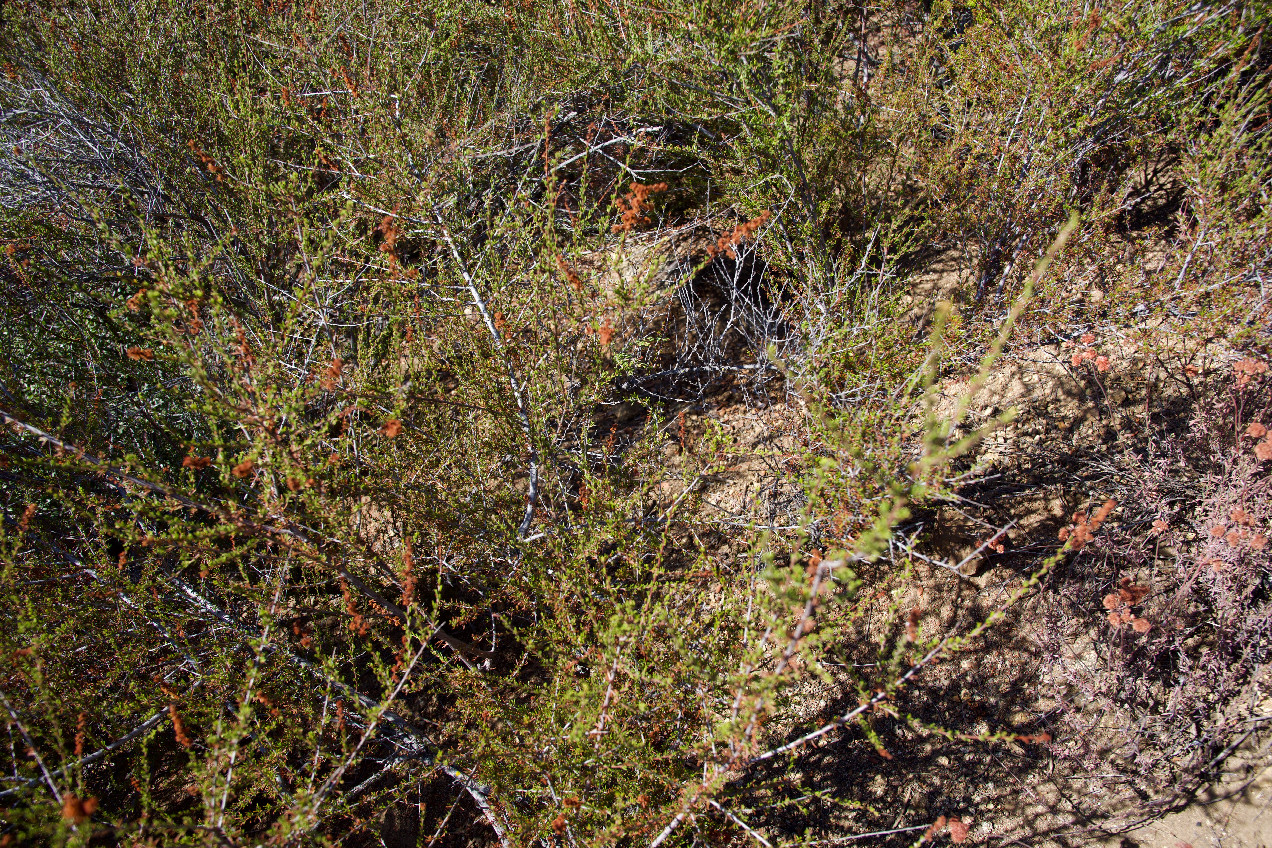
1233 812
941 280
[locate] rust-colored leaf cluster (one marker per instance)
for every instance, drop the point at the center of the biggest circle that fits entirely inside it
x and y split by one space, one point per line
76 809
1262 440
1083 528
1240 530
1089 354
633 206
1248 370
727 243
1119 603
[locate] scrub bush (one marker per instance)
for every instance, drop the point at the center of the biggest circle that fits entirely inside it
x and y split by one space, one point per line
320 525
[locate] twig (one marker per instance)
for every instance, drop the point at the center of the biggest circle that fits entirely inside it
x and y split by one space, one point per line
48 778
388 715
599 730
840 721
481 796
792 645
673 824
140 730
750 831
523 411
334 778
855 837
288 534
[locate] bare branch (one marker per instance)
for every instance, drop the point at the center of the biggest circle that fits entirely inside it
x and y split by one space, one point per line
523 410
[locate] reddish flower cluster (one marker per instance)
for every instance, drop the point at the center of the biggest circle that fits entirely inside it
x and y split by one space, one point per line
1240 531
635 204
331 377
958 829
388 229
76 810
570 274
195 324
560 823
196 462
214 169
1089 355
605 332
912 625
242 350
306 638
727 242
358 624
1083 529
1257 431
995 542
178 726
81 726
1248 370
408 573
1119 605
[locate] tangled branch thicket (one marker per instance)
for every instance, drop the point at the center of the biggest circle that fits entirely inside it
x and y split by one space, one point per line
364 370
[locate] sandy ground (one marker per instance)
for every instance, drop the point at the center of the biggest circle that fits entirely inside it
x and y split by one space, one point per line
1236 812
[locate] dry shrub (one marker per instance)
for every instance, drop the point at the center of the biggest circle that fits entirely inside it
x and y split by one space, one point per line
1157 704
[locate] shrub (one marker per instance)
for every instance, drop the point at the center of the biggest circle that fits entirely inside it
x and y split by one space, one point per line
318 523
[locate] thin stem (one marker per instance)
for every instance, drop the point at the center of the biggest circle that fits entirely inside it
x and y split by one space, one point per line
523 410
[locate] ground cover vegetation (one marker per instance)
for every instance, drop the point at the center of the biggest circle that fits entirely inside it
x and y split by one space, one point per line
362 368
